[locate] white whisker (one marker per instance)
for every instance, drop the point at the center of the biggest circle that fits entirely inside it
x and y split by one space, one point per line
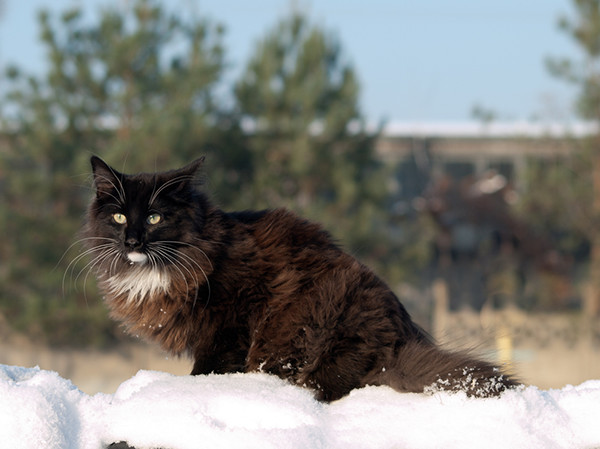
190 246
112 268
169 183
164 253
178 259
115 255
119 189
96 261
78 242
171 256
100 248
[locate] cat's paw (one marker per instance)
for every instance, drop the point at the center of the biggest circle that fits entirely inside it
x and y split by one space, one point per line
120 445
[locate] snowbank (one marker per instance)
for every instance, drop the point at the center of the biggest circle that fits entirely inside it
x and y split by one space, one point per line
39 409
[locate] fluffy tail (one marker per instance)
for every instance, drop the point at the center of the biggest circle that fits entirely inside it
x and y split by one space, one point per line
422 366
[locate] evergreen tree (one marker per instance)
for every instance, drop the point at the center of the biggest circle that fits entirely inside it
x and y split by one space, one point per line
299 100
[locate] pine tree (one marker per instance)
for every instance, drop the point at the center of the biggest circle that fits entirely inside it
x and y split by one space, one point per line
298 97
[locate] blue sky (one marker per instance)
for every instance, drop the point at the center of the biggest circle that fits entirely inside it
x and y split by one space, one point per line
431 60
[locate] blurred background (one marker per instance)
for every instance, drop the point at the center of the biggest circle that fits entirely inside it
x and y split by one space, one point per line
454 148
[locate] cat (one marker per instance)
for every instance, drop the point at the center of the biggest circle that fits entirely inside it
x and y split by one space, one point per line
262 291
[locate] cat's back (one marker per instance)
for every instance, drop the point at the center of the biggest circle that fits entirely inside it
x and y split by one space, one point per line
283 229
297 257
291 255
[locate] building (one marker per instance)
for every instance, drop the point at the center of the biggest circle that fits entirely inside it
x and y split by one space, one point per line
420 151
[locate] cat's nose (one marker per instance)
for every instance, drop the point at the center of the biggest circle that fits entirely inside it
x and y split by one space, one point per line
133 243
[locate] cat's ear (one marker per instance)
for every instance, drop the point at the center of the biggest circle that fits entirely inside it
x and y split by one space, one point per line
106 178
189 174
192 170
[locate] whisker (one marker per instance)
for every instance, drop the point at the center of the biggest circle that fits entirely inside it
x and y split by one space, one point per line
175 264
82 255
105 253
191 246
112 268
192 261
171 256
210 242
185 261
169 183
96 261
152 197
119 189
78 242
116 254
75 261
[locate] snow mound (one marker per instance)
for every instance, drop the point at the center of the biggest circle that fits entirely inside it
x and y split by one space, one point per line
152 409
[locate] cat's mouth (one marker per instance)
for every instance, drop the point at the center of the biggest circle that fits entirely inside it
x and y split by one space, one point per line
137 257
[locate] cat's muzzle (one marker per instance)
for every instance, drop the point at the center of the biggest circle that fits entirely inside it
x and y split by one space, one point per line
137 257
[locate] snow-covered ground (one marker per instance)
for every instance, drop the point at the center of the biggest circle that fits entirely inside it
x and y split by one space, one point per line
39 409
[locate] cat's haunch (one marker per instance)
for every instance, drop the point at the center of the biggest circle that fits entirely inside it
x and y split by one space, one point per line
258 291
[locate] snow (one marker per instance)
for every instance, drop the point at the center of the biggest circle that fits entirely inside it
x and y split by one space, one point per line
39 409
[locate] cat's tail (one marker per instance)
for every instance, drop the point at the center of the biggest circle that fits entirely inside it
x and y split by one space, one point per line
423 366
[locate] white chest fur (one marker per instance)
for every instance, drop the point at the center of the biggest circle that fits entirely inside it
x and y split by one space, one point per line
138 283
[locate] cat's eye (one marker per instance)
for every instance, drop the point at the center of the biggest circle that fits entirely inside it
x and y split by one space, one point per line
119 218
154 219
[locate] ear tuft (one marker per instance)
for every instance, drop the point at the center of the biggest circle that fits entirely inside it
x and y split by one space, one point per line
193 168
190 173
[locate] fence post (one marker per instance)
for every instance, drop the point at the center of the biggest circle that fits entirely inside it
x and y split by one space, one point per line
441 302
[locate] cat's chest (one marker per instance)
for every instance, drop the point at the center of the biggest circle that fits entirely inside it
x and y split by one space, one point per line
138 284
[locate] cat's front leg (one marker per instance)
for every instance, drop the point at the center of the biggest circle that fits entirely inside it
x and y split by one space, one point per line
216 365
222 358
201 367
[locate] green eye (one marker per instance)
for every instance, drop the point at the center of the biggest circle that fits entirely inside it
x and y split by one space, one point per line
119 218
154 219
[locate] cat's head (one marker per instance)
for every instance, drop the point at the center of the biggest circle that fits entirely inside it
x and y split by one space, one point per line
145 222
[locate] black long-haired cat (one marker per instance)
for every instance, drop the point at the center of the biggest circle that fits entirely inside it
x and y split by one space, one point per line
257 291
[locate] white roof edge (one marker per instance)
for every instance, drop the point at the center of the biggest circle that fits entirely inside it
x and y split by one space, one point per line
475 129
